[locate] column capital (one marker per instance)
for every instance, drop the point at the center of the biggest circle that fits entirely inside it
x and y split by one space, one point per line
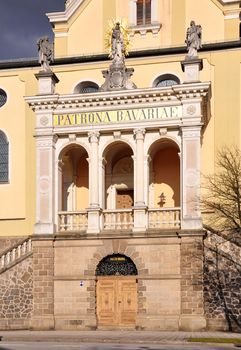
139 134
93 136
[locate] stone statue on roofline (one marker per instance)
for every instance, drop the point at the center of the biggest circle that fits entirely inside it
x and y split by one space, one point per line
117 44
46 53
117 77
193 40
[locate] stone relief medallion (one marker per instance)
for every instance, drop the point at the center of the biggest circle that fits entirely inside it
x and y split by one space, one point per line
44 185
116 79
44 120
192 177
191 110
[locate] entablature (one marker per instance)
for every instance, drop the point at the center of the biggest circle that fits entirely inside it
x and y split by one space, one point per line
123 110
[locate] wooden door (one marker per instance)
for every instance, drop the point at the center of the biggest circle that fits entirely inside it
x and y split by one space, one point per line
124 199
116 302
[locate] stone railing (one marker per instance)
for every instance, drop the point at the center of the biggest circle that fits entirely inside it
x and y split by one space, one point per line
118 219
164 218
15 253
73 221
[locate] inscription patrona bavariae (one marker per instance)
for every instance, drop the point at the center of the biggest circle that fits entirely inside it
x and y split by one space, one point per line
118 116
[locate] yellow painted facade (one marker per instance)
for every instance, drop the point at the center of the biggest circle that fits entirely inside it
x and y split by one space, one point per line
83 33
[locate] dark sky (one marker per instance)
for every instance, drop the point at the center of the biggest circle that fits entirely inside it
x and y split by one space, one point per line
22 22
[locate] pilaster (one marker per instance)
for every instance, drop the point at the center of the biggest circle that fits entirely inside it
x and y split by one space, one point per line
94 211
191 267
45 184
190 177
140 208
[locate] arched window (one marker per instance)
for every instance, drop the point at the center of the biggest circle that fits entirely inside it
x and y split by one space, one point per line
143 16
3 158
86 87
166 80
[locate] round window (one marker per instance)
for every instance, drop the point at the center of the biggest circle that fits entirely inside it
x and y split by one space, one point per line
3 97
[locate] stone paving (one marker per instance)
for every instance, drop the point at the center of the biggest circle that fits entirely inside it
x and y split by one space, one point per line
138 337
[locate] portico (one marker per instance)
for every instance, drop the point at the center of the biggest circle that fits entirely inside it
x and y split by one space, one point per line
101 144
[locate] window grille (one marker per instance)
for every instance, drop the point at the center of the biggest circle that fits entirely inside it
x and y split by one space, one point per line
116 264
143 12
3 158
86 87
3 97
166 80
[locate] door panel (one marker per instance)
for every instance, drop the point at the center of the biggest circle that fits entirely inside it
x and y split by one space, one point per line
128 305
124 199
116 302
106 302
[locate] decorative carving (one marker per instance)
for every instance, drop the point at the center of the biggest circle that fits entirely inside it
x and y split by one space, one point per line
93 136
192 177
45 50
117 77
191 110
44 120
139 134
124 166
44 185
193 39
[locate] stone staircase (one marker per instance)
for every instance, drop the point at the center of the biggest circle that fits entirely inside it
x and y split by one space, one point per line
15 254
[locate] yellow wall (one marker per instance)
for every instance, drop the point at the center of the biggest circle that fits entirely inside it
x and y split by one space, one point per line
17 204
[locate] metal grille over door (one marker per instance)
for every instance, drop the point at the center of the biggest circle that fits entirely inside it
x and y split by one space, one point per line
116 265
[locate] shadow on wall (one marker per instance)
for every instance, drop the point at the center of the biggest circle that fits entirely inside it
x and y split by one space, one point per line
222 285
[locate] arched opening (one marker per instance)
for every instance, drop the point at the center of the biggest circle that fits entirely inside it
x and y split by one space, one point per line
164 184
164 175
165 80
116 291
116 265
119 186
86 87
74 188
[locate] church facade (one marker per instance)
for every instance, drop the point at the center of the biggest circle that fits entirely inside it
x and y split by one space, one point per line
102 164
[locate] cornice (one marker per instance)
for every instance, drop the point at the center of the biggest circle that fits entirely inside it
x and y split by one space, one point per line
121 99
56 17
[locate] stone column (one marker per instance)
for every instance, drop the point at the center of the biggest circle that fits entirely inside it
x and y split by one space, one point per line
94 208
191 266
190 177
45 185
139 206
43 285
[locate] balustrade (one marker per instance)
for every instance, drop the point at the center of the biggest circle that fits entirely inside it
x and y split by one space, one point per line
120 219
164 218
15 253
73 221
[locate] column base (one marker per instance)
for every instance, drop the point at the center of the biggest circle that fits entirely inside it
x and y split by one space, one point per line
140 221
193 323
191 224
41 229
94 222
